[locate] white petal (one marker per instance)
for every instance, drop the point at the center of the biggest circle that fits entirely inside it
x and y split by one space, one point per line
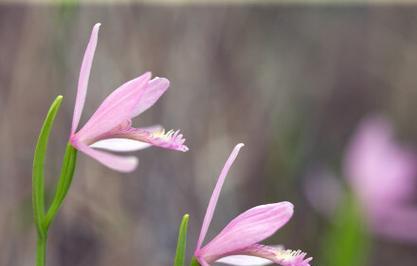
115 162
244 260
120 145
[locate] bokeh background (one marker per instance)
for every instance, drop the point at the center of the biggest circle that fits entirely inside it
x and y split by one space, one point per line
290 81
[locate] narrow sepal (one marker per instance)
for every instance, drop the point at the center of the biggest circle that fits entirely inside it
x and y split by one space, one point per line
182 242
38 189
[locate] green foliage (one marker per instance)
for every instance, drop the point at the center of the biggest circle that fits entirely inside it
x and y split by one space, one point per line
38 190
182 242
42 220
347 242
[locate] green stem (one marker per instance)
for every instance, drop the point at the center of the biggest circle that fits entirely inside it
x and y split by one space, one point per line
64 183
44 219
194 262
41 250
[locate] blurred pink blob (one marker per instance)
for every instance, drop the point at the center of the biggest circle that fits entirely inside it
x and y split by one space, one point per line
382 173
110 127
237 243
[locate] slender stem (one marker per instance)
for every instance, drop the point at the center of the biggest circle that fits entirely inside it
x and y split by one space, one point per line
41 250
194 262
63 185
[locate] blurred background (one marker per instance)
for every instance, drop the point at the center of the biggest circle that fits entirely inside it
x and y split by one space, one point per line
290 81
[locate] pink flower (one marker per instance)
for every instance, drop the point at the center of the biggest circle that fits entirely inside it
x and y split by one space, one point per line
110 126
237 243
383 175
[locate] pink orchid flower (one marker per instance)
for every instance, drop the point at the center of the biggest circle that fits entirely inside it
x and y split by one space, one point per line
110 128
237 243
383 175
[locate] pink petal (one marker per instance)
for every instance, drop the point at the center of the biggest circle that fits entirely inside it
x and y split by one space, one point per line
120 145
380 170
115 109
399 223
247 229
203 262
156 87
215 196
153 128
84 77
244 260
169 140
118 163
278 255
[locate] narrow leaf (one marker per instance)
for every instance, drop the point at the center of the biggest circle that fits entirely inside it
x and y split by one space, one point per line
38 190
182 241
347 242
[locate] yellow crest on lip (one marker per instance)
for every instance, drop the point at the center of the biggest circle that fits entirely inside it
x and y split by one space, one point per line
288 254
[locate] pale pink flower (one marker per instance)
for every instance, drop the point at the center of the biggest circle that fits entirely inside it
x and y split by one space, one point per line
110 126
383 175
237 243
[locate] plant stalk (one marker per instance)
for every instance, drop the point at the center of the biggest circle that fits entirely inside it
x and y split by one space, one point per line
41 250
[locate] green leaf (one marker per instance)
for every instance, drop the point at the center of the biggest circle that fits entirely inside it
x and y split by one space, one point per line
64 182
182 242
38 180
347 242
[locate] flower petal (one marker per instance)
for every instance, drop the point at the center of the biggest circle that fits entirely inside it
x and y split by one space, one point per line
215 196
118 163
398 223
169 140
278 255
156 87
203 262
244 260
248 228
115 109
379 169
84 77
120 145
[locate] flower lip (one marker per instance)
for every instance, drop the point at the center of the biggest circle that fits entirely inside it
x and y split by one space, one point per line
263 255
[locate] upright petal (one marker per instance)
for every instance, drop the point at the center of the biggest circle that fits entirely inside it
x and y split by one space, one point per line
215 196
156 87
115 109
84 77
118 163
248 228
